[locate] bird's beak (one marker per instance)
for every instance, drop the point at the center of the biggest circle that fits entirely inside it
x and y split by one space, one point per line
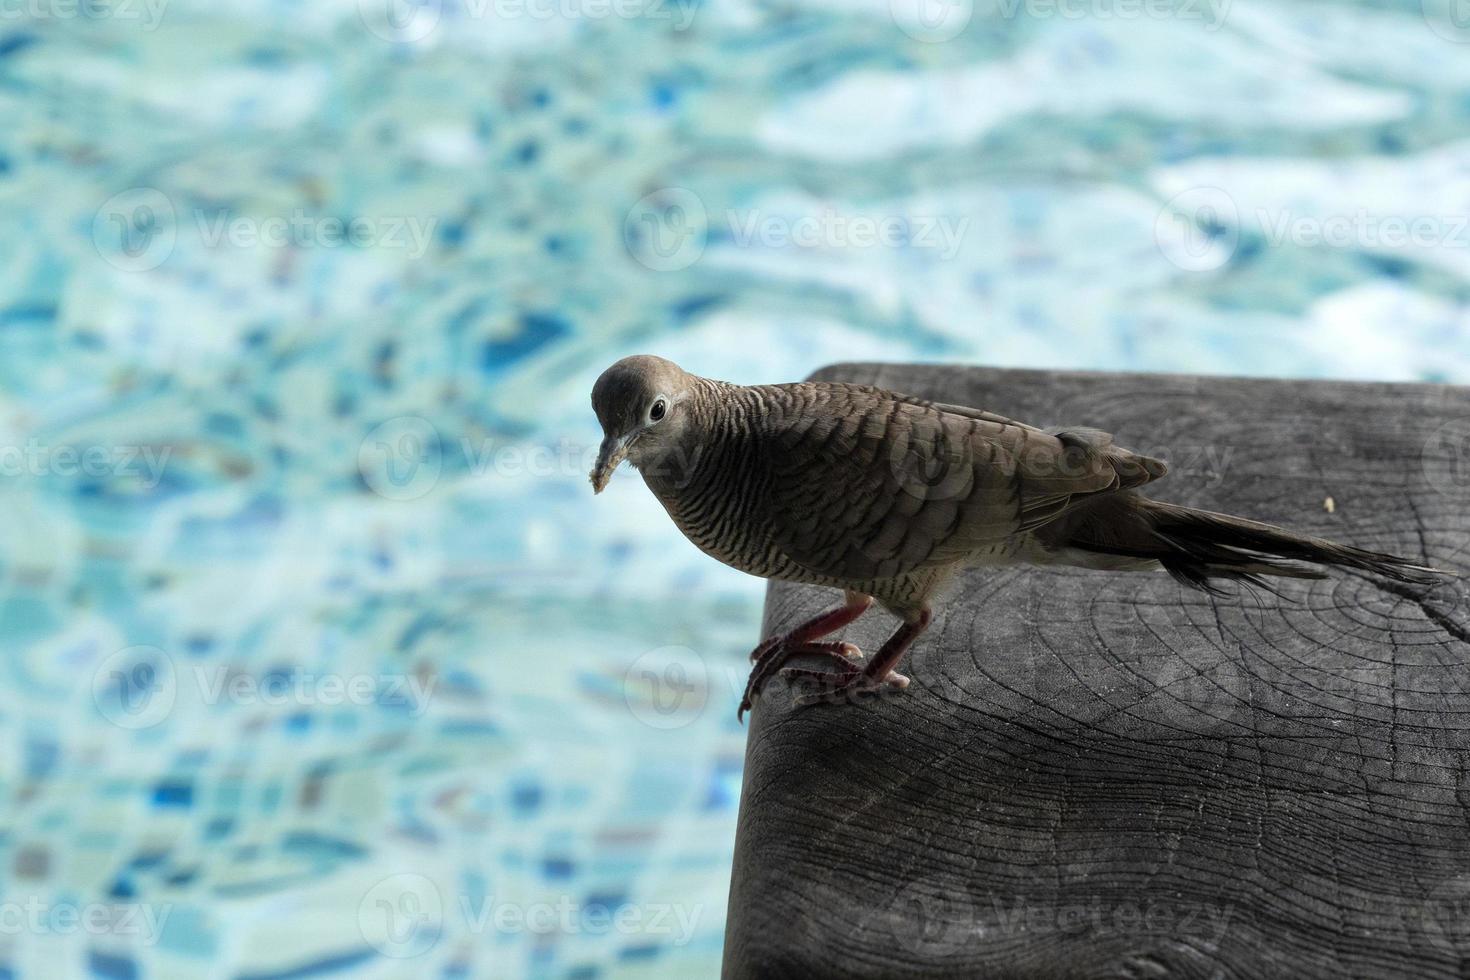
614 448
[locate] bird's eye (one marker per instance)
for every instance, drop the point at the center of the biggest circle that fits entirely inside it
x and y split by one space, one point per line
657 411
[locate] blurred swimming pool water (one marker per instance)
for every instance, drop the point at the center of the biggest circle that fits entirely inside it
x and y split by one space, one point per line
322 659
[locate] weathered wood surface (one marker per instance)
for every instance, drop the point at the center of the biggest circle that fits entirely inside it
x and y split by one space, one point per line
1100 775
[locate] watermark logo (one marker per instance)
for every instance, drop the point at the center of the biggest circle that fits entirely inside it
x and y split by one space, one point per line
145 464
1183 683
833 229
1015 916
667 688
1211 13
1199 229
147 14
667 230
299 228
401 459
947 697
1444 918
941 469
405 916
1445 458
136 230
401 21
932 918
402 916
304 688
141 924
569 918
937 21
140 686
135 688
932 21
410 21
1206 463
1362 229
1450 19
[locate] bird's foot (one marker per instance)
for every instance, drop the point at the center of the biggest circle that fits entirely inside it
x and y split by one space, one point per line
769 657
841 684
766 648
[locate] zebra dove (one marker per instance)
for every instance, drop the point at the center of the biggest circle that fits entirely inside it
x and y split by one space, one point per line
886 496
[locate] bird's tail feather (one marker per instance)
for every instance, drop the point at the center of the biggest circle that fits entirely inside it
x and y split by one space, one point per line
1197 547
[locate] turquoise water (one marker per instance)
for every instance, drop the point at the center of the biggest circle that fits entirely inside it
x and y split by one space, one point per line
320 657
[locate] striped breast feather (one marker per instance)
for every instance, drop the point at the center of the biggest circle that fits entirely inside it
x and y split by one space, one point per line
867 485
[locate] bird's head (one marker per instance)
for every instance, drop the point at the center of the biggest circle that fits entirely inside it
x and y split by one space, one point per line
642 403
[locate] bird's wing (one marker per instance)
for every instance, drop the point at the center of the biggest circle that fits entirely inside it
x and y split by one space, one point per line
866 484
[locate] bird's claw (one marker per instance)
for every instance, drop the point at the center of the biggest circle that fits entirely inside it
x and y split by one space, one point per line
840 685
764 648
769 657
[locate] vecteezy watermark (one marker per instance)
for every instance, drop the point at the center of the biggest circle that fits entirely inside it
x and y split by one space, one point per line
139 229
1211 13
146 13
407 21
1165 675
832 229
1097 916
1199 229
566 917
1450 19
669 229
1444 916
300 229
223 685
930 917
936 21
404 458
135 687
1445 458
948 468
935 916
141 924
1362 229
667 688
140 686
405 915
932 21
401 459
402 916
136 229
35 458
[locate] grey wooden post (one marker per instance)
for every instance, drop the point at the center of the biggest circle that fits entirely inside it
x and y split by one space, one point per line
1107 775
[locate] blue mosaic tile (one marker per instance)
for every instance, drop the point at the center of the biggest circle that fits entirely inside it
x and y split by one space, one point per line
376 453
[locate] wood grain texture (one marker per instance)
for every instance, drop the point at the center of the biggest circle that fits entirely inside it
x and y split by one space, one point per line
1107 775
